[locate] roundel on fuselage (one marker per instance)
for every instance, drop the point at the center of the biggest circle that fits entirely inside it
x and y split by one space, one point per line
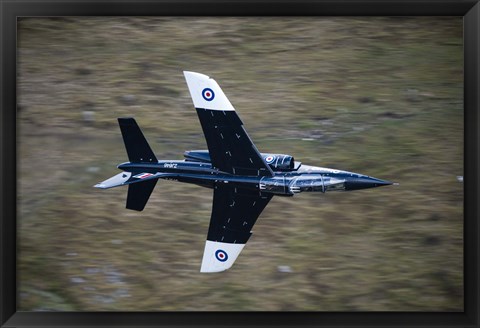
279 162
269 159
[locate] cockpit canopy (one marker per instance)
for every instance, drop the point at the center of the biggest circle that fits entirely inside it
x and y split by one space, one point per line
277 162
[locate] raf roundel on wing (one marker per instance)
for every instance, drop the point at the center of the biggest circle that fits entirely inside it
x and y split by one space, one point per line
208 94
221 255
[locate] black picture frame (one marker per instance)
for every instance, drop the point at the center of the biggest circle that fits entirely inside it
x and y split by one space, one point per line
10 10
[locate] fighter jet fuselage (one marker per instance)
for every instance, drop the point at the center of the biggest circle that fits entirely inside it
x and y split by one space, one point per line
286 182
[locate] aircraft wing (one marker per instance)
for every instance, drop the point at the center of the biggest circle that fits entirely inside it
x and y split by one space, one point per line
235 210
231 149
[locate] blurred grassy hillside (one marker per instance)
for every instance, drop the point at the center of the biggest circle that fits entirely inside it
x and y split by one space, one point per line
379 96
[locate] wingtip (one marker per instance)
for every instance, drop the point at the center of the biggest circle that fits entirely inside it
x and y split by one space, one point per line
206 93
205 268
193 74
219 256
202 270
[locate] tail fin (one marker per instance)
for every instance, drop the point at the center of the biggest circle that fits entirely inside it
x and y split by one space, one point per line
136 145
139 193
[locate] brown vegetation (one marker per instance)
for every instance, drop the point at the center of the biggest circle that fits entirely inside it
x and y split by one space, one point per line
380 96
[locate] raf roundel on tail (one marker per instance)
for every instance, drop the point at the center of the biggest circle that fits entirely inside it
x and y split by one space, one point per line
242 179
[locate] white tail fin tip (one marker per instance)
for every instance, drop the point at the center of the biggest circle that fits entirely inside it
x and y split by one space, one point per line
115 181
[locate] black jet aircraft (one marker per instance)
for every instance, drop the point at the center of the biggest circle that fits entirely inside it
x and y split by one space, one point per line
243 179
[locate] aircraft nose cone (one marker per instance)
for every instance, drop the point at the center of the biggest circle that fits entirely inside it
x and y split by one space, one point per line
365 182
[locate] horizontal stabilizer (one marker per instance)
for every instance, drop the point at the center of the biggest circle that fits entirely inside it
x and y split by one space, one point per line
139 193
137 147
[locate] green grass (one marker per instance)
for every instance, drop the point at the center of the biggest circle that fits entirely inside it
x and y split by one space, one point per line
380 96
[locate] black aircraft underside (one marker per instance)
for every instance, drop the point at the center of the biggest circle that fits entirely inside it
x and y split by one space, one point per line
243 179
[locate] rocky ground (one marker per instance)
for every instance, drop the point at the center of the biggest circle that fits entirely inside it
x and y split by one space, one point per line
380 96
